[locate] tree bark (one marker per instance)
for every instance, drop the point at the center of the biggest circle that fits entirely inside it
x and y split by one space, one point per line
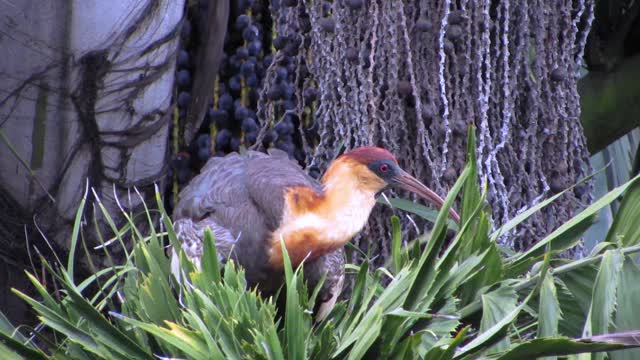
411 76
86 102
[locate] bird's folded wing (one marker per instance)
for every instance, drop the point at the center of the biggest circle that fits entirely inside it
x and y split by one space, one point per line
191 234
269 180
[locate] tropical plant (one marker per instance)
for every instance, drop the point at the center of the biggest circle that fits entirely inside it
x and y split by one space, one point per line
451 294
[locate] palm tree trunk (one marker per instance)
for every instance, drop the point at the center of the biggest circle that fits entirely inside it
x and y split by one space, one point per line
86 102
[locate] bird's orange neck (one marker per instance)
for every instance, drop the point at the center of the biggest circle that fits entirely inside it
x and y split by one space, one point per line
315 224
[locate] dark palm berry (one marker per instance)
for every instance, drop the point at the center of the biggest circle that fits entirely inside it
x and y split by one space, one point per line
351 54
183 58
558 74
223 139
459 127
454 32
255 47
289 3
310 94
404 88
303 70
234 83
235 144
556 184
240 5
250 137
456 17
250 33
294 42
448 45
290 117
267 60
354 4
270 137
327 24
240 113
183 78
203 143
249 124
365 56
234 63
252 80
305 24
242 22
242 53
184 98
280 42
450 174
204 154
225 101
220 118
288 91
247 68
281 73
326 8
275 92
423 25
291 68
284 128
257 7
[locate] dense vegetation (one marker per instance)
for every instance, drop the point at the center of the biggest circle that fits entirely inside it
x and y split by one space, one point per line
446 297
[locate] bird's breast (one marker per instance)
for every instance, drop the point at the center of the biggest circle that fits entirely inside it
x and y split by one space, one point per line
320 229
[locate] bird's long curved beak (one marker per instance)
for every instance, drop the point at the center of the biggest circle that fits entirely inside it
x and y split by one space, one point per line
408 182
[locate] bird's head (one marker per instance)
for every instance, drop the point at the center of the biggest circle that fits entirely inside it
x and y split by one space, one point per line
375 168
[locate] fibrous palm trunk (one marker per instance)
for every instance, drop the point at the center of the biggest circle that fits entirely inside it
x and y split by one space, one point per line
411 75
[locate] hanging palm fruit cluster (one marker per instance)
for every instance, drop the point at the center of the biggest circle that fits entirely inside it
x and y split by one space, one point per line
258 100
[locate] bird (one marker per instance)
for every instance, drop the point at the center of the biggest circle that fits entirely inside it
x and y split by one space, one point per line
255 202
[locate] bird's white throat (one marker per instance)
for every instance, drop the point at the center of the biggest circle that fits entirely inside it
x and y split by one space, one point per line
342 216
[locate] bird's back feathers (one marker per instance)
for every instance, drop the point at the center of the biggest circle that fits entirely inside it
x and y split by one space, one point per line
241 198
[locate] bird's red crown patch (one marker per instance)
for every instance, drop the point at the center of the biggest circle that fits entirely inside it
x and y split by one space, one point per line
368 154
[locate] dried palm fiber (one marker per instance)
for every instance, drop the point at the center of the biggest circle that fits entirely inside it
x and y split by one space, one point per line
424 71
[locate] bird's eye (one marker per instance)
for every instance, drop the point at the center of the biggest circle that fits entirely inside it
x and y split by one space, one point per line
384 168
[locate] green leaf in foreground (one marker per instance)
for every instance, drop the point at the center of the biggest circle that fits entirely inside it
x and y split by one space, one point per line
187 341
293 319
568 233
625 229
628 296
565 346
603 301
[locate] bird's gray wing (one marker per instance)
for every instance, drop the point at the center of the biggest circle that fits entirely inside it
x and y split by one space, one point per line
191 235
333 265
221 183
219 196
270 179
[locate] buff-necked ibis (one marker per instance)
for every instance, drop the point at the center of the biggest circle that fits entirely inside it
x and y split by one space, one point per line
252 201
